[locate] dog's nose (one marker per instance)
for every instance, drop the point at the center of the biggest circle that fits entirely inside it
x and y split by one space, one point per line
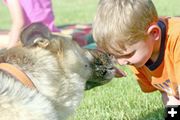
119 73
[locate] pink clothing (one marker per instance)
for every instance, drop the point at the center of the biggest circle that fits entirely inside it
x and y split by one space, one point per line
38 11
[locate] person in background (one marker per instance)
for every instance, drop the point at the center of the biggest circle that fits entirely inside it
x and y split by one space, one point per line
132 32
25 12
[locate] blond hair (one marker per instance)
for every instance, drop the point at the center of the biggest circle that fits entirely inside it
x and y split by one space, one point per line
122 21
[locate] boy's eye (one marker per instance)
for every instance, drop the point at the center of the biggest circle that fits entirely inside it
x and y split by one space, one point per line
128 55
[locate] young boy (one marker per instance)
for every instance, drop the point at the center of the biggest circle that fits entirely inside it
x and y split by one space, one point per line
131 31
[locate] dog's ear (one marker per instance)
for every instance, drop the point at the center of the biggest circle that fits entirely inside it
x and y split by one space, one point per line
35 34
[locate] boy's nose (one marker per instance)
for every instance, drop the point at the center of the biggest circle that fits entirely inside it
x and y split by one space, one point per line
122 62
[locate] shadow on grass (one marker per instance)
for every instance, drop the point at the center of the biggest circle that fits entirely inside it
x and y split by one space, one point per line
158 114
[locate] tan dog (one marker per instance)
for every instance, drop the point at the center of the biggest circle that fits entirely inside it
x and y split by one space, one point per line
58 69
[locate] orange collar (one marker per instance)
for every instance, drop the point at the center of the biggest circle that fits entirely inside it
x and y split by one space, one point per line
17 74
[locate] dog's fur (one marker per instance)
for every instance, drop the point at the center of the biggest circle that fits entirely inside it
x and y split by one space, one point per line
59 69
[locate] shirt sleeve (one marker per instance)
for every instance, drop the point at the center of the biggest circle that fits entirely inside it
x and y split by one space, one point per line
143 79
177 57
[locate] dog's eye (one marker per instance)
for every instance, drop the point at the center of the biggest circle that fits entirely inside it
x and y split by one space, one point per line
86 65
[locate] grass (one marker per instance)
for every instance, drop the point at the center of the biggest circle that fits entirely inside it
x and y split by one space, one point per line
122 98
74 11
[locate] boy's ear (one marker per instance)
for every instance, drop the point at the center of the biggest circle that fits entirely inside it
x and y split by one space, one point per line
154 31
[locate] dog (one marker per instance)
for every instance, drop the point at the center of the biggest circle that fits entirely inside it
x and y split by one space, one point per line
57 70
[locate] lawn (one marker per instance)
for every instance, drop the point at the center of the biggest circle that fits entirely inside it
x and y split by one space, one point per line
122 98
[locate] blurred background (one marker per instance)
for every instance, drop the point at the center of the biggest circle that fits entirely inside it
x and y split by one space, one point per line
82 11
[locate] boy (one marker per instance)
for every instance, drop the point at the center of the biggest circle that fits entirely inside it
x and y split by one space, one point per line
131 31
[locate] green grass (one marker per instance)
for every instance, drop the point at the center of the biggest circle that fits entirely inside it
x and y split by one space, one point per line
122 98
66 12
74 11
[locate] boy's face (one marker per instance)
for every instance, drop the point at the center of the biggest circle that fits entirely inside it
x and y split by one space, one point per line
136 54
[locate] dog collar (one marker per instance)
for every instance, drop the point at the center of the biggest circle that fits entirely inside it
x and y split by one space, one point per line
17 74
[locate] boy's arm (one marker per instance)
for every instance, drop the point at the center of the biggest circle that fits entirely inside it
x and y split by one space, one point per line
143 79
176 55
169 100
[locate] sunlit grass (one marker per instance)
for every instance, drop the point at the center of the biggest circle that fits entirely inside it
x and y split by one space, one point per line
121 99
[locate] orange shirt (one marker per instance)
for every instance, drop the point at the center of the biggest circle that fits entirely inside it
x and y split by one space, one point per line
164 73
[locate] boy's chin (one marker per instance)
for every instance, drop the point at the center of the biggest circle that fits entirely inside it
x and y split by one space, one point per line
138 65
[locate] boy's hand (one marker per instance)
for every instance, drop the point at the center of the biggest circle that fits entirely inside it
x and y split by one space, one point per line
169 100
173 101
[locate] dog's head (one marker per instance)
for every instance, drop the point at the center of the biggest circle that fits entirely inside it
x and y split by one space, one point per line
93 65
104 69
